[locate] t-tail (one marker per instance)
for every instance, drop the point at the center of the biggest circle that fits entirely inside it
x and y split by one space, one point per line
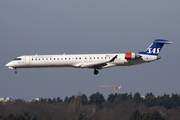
155 47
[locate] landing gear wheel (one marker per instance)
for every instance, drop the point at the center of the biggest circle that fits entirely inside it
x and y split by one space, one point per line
96 72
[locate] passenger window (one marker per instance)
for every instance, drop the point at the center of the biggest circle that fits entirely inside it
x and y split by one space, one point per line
94 57
101 57
32 59
105 57
54 58
69 58
79 58
76 58
65 58
97 57
61 58
50 58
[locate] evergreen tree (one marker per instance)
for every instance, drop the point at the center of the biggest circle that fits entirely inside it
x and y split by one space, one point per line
80 117
54 100
136 115
146 116
111 98
84 99
34 117
59 100
137 97
49 100
96 98
19 117
10 117
122 97
150 100
156 116
66 100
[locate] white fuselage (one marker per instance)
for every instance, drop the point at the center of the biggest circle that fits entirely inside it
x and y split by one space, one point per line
77 61
94 61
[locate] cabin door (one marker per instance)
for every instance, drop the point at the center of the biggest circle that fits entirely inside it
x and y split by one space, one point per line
27 60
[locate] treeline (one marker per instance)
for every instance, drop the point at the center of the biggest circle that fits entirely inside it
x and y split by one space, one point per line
79 107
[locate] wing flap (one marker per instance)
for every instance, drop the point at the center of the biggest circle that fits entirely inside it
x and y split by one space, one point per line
96 65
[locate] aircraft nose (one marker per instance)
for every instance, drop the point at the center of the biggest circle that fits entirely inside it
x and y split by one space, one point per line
10 65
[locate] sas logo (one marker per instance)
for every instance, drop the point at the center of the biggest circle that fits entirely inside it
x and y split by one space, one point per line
154 50
108 55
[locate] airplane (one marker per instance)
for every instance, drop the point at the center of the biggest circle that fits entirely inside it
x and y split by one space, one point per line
92 61
111 86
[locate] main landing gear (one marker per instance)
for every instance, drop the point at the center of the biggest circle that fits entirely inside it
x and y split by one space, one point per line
96 71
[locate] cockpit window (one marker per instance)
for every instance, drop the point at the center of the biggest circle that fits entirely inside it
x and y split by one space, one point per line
17 59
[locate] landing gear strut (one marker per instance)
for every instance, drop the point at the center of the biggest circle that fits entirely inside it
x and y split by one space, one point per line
15 71
96 71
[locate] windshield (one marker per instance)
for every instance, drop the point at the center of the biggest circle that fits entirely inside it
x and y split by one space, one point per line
17 59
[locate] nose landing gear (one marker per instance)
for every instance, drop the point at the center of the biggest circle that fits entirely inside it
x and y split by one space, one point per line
15 71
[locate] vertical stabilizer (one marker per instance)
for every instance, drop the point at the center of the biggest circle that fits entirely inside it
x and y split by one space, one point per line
155 47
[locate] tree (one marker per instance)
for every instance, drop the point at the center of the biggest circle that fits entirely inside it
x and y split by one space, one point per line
19 117
80 117
34 117
10 117
137 97
66 100
96 98
49 100
83 99
146 116
72 98
123 97
27 115
59 100
136 115
54 100
111 98
150 100
156 116
167 102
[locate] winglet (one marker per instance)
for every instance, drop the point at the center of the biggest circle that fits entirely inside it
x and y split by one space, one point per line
112 60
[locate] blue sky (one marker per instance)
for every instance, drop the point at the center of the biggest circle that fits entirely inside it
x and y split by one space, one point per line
88 27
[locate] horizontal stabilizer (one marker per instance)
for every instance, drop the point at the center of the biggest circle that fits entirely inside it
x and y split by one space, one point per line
163 41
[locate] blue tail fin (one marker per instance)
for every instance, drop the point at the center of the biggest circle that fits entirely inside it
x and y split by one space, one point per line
155 47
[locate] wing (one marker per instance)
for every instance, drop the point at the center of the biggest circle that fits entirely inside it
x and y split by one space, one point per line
97 65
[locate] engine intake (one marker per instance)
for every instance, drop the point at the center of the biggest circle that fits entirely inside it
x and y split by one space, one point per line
130 56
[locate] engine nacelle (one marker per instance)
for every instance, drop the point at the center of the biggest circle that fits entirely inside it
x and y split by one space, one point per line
130 56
